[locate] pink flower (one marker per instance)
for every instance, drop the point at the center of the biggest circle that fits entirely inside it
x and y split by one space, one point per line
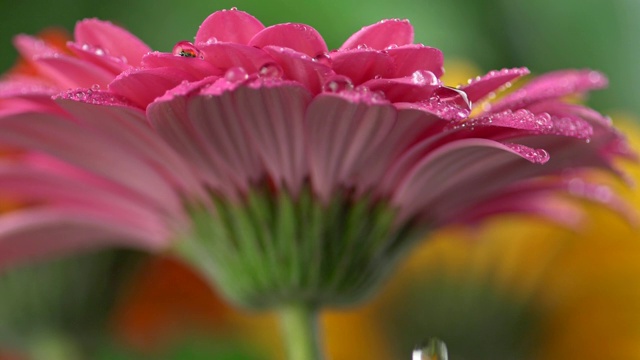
262 145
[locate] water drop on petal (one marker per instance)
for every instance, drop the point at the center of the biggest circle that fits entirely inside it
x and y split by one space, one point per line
435 349
187 49
236 74
337 84
270 70
95 87
323 58
424 77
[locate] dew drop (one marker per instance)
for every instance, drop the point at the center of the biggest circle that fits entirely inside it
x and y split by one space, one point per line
236 74
392 46
434 349
337 84
453 96
187 49
424 78
95 87
211 40
323 58
271 71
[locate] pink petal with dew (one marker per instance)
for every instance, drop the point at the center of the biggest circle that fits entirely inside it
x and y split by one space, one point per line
128 129
480 87
300 67
62 138
552 86
229 55
342 135
462 171
18 105
405 89
32 184
229 26
26 87
272 112
381 35
299 37
168 116
142 86
98 57
195 67
69 72
26 235
114 40
410 126
362 65
411 58
216 117
30 47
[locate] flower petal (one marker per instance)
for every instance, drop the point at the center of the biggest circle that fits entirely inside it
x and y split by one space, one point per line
72 72
229 26
98 57
142 86
362 65
551 86
196 68
480 87
229 55
342 135
301 68
414 57
386 33
299 37
114 40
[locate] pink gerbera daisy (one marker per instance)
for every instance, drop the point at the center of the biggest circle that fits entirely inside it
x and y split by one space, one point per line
292 175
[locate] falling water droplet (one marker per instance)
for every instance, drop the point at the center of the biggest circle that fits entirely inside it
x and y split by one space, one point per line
424 77
337 84
453 96
187 49
435 349
236 74
323 58
271 71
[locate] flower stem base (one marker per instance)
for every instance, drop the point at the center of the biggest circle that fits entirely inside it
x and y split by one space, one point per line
299 324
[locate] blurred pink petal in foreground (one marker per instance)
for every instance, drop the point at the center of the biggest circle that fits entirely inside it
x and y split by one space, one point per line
115 142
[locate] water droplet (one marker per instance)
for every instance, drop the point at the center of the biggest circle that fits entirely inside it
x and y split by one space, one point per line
234 9
392 46
362 47
95 87
453 96
236 74
187 49
435 349
424 78
337 84
270 70
211 40
323 58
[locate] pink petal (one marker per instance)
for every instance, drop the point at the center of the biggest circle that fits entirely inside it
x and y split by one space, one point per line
461 172
114 40
196 68
66 140
30 47
301 68
69 72
362 65
482 86
27 235
169 117
342 135
410 58
404 89
552 86
127 128
98 57
229 26
25 86
273 115
142 86
229 55
386 33
299 37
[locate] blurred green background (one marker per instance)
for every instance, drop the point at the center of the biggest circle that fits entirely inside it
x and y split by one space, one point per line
542 34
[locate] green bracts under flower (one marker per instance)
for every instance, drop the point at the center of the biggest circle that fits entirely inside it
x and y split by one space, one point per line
273 249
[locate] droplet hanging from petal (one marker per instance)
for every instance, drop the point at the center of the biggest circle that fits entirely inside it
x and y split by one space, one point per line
187 49
435 349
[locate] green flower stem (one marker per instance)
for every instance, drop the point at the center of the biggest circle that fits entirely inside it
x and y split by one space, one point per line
300 331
